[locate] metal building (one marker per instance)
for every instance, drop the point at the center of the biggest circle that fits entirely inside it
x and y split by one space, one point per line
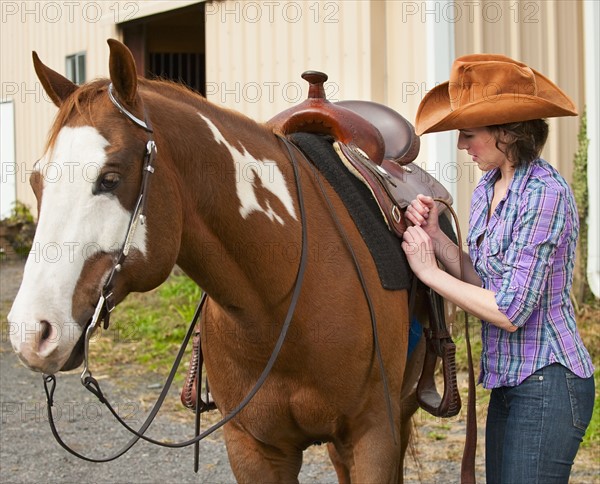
249 55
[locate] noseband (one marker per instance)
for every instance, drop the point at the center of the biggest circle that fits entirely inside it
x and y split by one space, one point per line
106 304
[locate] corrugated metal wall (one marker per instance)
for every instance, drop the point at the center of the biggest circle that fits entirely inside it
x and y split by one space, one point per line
256 52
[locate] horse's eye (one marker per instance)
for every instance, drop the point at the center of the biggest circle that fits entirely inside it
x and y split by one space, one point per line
109 182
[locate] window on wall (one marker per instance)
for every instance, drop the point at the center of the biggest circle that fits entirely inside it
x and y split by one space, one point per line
76 67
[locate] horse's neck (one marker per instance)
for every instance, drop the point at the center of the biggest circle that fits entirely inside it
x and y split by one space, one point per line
241 234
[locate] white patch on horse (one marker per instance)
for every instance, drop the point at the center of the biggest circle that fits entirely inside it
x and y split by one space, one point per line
74 224
250 173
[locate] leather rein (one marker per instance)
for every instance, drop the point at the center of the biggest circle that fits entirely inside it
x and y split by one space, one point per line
106 304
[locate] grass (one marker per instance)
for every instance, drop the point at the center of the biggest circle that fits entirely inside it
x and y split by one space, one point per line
147 329
592 436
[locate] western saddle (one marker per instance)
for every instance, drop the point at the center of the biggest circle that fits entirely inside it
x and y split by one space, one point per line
375 142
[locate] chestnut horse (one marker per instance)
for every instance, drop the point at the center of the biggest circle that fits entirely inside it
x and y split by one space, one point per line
223 205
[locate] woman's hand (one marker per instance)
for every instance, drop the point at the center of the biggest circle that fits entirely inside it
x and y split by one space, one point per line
423 212
418 247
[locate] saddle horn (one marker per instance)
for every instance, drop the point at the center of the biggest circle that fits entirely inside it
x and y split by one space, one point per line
317 115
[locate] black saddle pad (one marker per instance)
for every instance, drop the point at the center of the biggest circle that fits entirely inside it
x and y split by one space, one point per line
390 260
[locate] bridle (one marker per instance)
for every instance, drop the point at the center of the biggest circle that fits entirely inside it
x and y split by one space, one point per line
106 304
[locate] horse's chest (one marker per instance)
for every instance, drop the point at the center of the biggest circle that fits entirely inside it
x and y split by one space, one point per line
270 417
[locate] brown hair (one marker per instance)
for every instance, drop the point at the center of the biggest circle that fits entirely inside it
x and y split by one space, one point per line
521 142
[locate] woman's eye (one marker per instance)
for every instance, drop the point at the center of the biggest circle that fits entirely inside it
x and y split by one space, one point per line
109 182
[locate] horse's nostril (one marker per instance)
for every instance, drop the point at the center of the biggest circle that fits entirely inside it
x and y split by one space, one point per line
46 330
48 339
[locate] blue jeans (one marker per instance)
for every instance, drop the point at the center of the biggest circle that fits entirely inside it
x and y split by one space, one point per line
534 429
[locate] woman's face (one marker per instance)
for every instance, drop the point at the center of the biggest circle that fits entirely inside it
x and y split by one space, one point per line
481 146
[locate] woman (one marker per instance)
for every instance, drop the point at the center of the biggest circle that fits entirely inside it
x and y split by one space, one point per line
517 277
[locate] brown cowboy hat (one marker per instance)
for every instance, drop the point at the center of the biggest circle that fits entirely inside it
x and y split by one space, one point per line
489 89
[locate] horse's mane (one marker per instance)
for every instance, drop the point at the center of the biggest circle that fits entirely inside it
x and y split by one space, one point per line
81 102
175 90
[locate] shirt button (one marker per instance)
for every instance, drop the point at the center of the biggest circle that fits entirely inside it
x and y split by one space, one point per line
540 378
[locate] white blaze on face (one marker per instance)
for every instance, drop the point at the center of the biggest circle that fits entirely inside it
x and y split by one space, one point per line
74 224
250 172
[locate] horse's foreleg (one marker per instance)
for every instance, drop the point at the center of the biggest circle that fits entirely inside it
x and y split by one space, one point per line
253 461
369 457
376 458
341 469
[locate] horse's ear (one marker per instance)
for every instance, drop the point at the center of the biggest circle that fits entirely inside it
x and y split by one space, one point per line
56 85
122 71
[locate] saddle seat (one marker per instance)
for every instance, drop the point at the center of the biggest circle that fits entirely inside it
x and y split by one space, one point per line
401 144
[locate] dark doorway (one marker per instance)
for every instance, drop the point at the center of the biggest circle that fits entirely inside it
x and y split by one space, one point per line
170 45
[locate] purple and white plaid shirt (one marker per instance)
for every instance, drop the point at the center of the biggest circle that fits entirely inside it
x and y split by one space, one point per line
526 256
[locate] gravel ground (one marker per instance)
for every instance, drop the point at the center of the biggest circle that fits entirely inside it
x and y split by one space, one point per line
29 453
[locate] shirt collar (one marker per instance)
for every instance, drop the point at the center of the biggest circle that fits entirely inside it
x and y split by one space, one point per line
521 176
517 184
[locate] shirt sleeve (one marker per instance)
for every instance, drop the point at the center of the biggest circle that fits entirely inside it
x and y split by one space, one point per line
528 259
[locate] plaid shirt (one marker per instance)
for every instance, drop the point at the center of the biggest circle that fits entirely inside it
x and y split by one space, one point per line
526 256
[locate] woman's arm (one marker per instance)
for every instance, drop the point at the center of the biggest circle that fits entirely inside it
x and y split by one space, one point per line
447 252
480 302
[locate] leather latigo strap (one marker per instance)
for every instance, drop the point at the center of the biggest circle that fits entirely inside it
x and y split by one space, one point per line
439 345
467 468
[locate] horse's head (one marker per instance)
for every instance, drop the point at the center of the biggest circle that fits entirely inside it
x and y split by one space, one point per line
87 185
